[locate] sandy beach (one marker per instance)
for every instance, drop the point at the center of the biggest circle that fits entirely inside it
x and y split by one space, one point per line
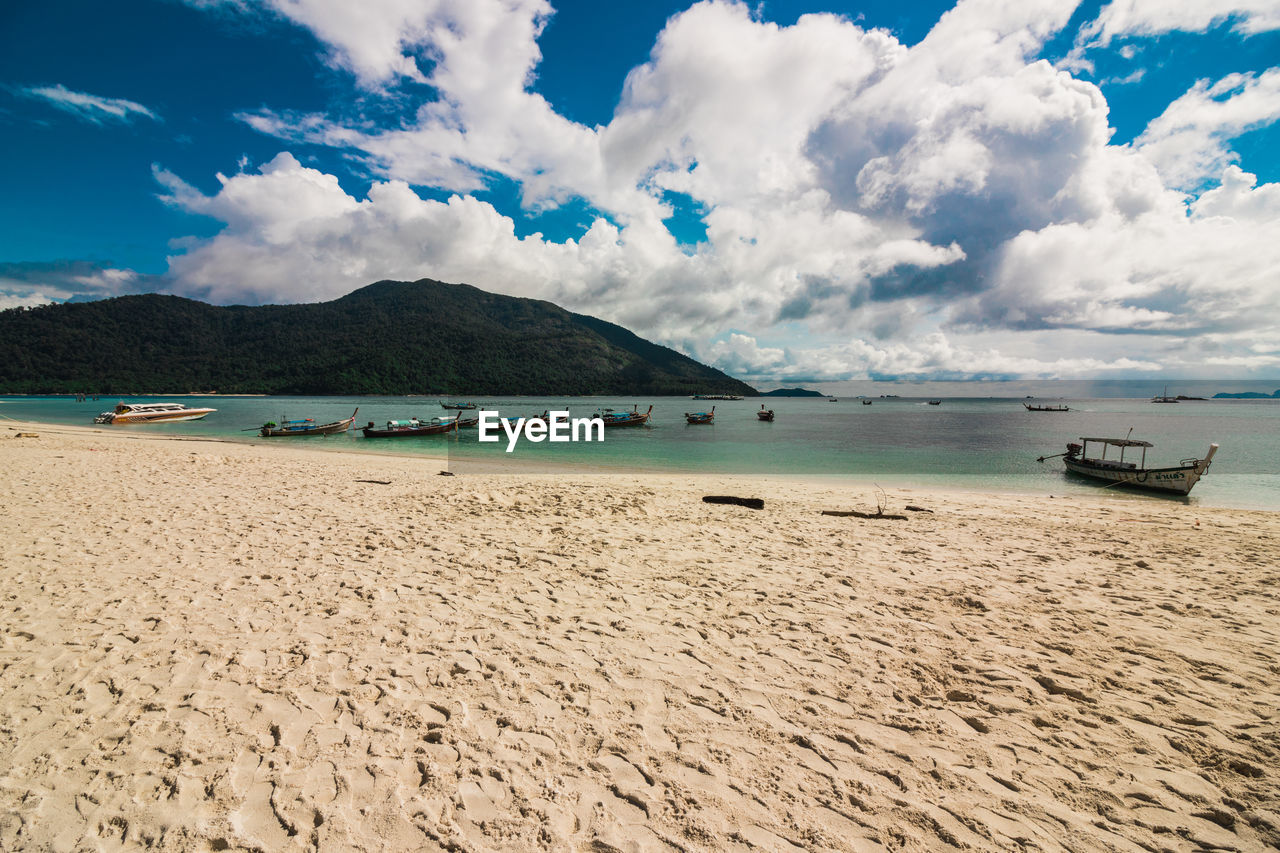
223 646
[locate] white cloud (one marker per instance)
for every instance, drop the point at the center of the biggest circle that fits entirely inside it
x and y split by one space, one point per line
1188 142
92 108
30 284
910 210
23 299
935 355
1123 18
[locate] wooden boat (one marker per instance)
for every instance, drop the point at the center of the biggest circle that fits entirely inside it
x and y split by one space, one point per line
462 407
620 419
150 413
866 402
1176 479
701 417
935 402
764 414
1032 408
833 400
715 397
305 426
411 428
1164 398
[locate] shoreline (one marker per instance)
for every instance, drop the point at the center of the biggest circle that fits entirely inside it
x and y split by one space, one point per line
472 465
208 644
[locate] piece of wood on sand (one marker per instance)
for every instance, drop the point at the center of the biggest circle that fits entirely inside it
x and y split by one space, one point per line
853 512
751 503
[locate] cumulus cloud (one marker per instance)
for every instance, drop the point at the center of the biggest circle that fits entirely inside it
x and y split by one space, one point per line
92 108
39 283
935 356
901 204
1189 141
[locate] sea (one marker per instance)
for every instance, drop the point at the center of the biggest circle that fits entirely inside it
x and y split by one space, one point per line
979 437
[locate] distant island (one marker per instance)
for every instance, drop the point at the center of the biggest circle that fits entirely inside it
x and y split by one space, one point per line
1248 395
792 392
391 337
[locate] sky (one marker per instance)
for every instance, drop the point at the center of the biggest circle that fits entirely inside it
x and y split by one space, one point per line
790 190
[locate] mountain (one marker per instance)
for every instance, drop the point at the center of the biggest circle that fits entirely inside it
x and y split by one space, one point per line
1247 395
793 392
392 337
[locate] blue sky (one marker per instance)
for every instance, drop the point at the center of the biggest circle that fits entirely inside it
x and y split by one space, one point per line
792 191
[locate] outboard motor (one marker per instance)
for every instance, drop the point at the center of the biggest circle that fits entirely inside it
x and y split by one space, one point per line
1073 450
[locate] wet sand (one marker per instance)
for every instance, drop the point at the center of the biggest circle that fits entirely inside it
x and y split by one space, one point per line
212 645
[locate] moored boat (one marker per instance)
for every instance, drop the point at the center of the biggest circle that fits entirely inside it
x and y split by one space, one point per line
457 407
935 402
150 413
764 414
1176 479
701 417
1033 408
635 417
305 426
411 427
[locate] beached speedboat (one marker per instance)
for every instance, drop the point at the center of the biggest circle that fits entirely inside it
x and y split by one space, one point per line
764 414
701 417
1177 479
635 417
150 413
410 428
305 426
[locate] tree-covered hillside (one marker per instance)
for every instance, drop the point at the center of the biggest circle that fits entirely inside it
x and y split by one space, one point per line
391 337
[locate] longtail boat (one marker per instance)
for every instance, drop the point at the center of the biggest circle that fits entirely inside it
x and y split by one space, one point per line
1177 479
463 407
1034 408
305 426
701 417
764 414
410 428
635 417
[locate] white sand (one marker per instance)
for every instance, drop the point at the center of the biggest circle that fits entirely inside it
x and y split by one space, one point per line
221 646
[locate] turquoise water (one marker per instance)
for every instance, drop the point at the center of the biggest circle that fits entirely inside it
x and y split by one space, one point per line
967 442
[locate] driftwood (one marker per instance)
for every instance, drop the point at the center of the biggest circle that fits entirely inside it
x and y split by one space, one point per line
911 508
751 503
856 514
379 482
445 474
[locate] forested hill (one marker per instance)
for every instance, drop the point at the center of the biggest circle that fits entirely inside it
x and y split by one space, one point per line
392 337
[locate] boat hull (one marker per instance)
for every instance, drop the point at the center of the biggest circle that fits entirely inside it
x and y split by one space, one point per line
1178 480
323 429
410 432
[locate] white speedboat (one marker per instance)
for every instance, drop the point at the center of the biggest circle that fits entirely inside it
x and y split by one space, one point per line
1177 479
150 413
